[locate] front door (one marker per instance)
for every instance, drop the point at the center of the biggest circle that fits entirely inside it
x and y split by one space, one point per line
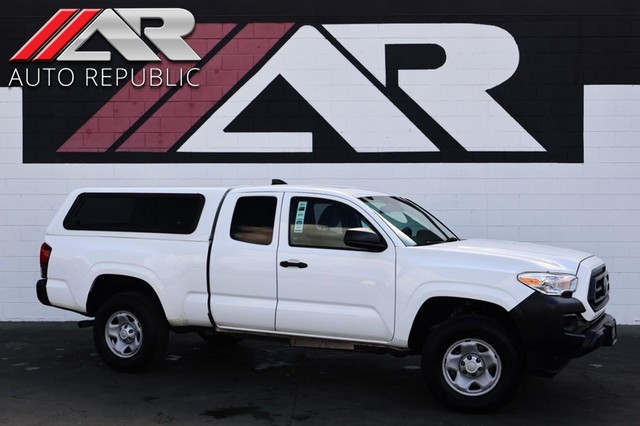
325 288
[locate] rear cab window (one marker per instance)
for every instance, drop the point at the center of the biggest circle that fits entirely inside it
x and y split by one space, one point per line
253 220
135 212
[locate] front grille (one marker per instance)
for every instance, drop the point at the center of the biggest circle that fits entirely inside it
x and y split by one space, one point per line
599 288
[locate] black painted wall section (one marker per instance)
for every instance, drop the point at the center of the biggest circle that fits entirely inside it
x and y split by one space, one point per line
564 45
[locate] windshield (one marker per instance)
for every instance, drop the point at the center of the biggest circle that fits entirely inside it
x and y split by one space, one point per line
413 224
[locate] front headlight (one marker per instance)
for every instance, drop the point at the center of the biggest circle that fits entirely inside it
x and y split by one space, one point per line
548 283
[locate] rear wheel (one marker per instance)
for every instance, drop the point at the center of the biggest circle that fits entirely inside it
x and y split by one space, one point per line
471 364
130 332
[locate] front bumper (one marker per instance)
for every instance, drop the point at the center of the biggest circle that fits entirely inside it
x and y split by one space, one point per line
553 331
601 332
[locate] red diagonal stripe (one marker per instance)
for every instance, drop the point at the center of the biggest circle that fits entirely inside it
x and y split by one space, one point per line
43 35
67 34
125 108
216 78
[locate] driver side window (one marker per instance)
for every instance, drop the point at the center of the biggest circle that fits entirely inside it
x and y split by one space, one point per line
321 223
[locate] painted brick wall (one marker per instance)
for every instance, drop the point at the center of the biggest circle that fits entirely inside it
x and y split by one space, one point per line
592 206
506 120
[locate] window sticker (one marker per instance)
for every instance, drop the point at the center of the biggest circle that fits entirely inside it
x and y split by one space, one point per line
300 212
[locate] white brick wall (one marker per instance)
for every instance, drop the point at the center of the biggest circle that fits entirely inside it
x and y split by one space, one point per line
593 206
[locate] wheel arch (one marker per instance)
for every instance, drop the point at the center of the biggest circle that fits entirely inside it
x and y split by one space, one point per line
107 285
436 310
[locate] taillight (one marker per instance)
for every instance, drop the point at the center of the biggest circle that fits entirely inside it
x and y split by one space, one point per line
45 254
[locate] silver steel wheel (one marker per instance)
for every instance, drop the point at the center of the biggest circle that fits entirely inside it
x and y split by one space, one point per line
123 334
471 367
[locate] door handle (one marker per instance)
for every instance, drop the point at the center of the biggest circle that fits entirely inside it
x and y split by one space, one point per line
286 264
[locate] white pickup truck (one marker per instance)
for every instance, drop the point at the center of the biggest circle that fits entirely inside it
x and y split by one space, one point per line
322 267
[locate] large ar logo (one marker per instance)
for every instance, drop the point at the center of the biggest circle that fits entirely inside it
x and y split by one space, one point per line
348 83
278 92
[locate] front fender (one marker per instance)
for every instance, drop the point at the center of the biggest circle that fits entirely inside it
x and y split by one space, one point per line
423 275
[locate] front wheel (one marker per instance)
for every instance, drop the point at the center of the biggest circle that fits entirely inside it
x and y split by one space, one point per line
130 332
471 364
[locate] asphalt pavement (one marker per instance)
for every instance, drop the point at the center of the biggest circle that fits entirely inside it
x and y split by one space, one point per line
50 373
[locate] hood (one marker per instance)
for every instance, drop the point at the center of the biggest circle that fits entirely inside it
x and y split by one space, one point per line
540 258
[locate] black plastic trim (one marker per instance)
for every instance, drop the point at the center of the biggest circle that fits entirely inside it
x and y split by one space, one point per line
598 295
41 292
553 331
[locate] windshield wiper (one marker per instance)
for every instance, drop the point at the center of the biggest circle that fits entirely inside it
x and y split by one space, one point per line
429 243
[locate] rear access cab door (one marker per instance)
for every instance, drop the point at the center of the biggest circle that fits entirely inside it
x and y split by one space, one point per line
242 267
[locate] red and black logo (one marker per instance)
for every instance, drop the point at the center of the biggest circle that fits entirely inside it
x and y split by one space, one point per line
62 36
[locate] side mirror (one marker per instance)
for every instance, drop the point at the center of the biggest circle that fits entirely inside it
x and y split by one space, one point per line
364 239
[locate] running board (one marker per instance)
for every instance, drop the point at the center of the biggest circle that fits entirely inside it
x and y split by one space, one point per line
321 344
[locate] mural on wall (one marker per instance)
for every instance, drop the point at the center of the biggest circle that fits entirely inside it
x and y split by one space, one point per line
491 90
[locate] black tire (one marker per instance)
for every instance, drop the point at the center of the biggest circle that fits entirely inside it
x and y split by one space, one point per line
471 364
130 332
